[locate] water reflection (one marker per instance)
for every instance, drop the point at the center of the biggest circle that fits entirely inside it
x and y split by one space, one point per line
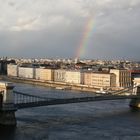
105 120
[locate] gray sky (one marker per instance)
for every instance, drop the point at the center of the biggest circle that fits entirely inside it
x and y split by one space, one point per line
55 28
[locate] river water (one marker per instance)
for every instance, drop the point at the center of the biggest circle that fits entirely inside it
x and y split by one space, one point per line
104 120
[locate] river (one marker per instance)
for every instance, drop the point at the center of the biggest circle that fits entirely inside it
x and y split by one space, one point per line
104 120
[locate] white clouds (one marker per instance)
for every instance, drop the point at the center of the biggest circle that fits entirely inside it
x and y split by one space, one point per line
134 2
25 24
19 15
57 21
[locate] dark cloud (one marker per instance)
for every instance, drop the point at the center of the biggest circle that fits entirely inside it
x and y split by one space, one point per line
55 28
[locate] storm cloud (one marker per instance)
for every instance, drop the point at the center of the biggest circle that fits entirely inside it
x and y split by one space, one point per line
54 28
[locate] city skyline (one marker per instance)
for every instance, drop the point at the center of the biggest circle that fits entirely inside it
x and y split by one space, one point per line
99 29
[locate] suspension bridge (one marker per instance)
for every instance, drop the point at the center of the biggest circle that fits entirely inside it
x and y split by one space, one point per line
11 100
24 100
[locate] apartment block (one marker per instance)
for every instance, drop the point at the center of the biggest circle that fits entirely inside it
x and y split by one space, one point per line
44 74
26 72
104 80
74 77
87 78
59 75
12 70
123 77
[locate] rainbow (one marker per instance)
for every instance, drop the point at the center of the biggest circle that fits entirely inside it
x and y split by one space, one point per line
85 38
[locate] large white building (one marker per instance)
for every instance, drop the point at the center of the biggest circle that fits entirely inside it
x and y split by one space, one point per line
12 70
44 74
26 72
74 77
60 75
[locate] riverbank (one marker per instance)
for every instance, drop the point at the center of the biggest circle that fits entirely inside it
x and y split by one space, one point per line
52 84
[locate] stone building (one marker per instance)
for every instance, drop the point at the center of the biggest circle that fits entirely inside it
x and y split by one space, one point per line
44 74
12 70
74 77
59 75
99 80
123 77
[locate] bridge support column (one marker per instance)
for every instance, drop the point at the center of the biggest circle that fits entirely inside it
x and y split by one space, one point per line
7 110
135 103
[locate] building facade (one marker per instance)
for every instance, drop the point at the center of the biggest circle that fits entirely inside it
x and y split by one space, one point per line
26 72
12 70
123 77
74 77
87 78
44 74
60 75
103 80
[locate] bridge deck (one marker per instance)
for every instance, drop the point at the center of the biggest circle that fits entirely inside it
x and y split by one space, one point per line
73 100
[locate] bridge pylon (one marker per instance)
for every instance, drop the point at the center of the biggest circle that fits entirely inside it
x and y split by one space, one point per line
7 109
135 103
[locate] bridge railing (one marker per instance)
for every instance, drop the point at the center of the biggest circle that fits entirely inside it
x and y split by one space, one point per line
21 97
